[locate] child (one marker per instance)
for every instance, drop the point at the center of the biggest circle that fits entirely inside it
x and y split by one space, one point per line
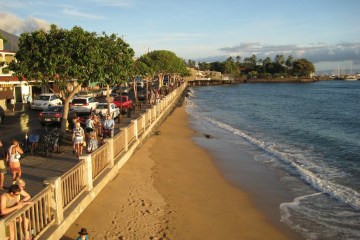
92 143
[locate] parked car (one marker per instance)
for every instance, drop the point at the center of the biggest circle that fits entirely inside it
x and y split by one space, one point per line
123 102
84 104
141 94
2 115
45 100
82 94
112 95
121 90
102 108
53 114
140 85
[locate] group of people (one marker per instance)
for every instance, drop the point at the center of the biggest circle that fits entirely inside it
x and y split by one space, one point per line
15 197
154 96
94 128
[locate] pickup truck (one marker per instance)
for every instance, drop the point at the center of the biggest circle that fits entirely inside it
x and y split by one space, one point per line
123 102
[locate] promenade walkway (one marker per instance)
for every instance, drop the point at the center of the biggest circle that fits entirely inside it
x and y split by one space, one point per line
75 182
36 169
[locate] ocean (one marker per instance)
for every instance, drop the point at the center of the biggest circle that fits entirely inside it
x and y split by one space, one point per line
293 146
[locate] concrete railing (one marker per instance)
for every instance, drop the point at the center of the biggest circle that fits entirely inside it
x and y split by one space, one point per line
62 201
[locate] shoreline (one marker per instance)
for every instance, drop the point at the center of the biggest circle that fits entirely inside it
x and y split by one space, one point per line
171 189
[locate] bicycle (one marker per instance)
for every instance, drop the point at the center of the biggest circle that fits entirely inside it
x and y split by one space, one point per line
50 143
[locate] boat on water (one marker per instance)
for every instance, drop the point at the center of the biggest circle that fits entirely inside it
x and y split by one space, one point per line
350 78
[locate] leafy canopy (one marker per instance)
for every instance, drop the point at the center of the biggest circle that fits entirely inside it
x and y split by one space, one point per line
71 59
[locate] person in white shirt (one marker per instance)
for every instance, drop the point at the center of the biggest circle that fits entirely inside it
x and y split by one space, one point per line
108 125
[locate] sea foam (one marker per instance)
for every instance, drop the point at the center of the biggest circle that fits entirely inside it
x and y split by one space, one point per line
297 162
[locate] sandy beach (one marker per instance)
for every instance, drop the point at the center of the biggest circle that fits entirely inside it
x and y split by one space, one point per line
171 189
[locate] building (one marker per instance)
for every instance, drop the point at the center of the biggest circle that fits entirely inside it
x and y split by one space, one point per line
10 86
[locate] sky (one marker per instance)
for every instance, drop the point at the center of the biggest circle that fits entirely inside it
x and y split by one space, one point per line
326 32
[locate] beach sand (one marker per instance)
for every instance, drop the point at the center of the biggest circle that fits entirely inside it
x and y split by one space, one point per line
171 189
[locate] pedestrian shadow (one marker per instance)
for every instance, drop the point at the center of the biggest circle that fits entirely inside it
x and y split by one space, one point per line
66 238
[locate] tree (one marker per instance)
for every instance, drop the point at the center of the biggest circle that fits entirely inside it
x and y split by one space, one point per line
302 68
70 59
279 62
217 66
289 64
267 65
231 67
115 61
164 62
250 62
203 66
142 67
191 64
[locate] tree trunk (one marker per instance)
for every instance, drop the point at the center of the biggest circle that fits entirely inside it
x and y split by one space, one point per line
66 108
108 97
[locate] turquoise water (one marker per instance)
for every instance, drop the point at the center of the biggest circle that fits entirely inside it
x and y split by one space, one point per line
309 131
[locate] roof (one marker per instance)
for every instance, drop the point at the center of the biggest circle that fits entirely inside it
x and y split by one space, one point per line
8 79
46 94
6 51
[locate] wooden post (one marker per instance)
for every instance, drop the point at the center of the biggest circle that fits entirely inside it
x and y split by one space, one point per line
3 229
135 129
126 145
110 153
58 205
88 171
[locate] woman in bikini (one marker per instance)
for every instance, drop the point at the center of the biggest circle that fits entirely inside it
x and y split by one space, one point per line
13 159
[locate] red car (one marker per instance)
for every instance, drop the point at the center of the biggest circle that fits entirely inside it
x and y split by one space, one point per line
123 102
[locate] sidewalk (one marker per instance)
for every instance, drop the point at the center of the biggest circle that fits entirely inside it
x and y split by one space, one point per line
36 169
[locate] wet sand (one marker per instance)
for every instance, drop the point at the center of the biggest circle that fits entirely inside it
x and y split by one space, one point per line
171 189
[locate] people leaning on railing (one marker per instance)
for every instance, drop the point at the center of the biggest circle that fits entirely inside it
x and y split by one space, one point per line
10 202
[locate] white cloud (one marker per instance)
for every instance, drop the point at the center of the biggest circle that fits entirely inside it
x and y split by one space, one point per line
15 25
319 52
114 3
76 13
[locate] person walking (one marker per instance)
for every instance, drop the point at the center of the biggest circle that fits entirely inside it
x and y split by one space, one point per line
12 103
13 159
2 166
29 99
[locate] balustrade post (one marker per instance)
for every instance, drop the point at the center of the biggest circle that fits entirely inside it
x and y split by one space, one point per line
110 153
135 129
143 121
3 229
58 204
150 115
88 171
126 145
